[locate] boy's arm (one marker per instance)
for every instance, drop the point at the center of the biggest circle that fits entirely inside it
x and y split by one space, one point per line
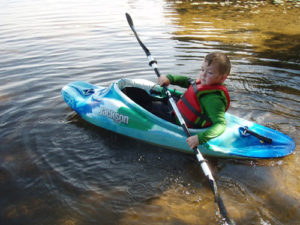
179 80
215 109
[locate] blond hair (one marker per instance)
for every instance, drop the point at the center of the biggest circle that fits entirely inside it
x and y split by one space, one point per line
220 60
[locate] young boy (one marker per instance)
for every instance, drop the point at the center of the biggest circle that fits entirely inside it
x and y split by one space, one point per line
206 100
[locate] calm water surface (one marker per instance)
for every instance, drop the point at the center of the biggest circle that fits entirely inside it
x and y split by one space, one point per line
57 169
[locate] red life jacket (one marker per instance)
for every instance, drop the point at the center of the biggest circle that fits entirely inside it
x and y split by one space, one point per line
190 108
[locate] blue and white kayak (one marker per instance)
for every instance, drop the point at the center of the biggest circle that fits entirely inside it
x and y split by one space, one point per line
112 109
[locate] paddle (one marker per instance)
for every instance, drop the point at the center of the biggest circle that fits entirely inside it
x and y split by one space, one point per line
201 160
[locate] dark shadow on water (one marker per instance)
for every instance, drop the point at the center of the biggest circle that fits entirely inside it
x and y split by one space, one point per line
282 47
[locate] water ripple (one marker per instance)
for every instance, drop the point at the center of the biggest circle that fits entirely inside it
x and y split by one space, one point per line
53 162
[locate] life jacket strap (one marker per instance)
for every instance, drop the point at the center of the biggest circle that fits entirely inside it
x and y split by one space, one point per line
188 122
190 107
202 117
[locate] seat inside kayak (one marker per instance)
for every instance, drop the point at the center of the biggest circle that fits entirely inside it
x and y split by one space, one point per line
141 93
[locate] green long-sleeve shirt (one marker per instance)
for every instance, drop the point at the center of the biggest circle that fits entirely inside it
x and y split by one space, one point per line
212 104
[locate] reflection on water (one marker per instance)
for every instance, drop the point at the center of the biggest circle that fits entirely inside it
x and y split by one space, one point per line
57 169
271 30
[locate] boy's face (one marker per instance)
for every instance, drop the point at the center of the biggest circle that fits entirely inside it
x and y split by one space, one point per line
209 74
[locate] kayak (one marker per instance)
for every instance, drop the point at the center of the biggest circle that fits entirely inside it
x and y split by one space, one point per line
123 107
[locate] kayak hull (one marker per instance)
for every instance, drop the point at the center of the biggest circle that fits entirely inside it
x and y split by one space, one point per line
110 108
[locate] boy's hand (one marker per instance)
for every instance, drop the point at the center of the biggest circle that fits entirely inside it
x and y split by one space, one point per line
163 81
193 141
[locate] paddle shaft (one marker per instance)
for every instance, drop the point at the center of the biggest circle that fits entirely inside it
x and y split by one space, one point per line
200 158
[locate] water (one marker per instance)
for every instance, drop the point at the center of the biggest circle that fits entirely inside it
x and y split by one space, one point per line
57 169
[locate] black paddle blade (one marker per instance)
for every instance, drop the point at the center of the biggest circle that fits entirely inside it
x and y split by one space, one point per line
223 211
220 203
129 20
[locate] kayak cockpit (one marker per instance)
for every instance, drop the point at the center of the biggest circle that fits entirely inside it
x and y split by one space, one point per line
140 90
142 93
